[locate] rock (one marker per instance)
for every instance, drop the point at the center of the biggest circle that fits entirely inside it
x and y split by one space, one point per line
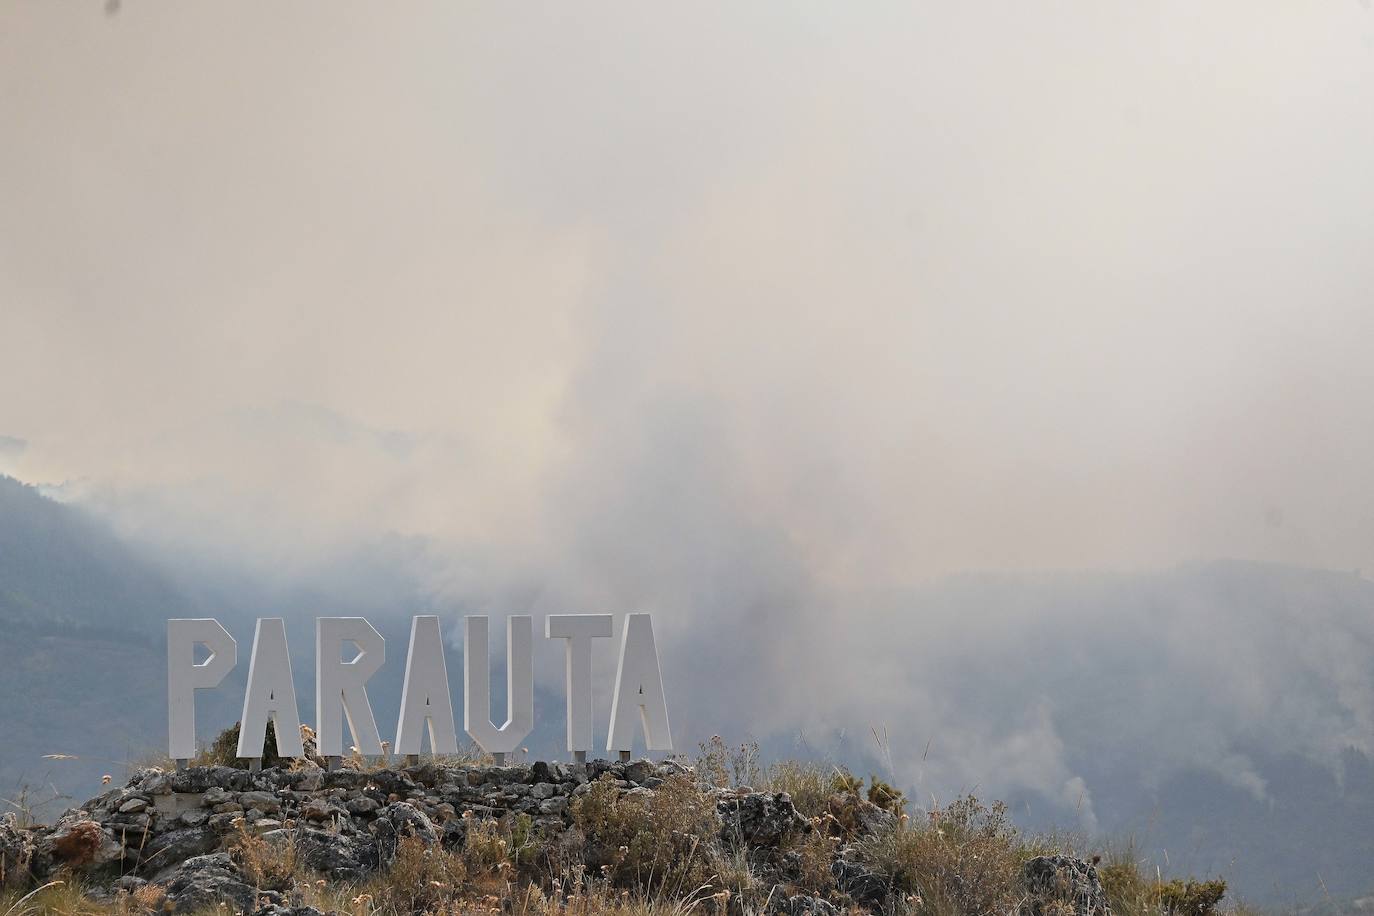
224 822
363 805
323 809
165 850
216 796
858 817
553 806
265 802
339 856
760 819
203 882
639 771
194 818
543 790
76 843
16 851
202 779
1053 883
864 887
133 805
397 820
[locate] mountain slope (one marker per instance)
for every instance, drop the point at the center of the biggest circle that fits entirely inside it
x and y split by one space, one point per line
63 571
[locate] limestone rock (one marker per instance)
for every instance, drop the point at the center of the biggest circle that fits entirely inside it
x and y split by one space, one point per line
759 819
203 882
863 886
16 851
1055 882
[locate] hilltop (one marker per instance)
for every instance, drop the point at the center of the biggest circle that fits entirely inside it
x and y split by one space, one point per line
450 836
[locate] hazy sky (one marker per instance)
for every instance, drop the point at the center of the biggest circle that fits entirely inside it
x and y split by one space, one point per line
921 287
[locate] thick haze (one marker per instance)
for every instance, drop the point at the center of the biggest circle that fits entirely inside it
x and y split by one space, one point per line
735 313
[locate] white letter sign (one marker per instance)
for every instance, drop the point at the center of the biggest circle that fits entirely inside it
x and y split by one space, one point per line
425 699
578 630
638 688
341 687
426 702
270 694
519 684
184 676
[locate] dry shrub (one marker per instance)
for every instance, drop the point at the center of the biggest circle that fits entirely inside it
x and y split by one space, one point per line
966 860
721 767
265 865
810 784
486 849
815 851
65 896
655 842
148 897
422 877
1129 891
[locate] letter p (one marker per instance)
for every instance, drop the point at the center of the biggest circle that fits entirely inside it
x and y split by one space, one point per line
184 676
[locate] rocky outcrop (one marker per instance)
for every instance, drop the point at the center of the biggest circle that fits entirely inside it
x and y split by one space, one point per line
181 836
16 852
175 829
203 882
1057 885
757 819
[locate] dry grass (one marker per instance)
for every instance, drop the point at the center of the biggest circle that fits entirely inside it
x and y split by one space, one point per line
266 865
964 861
656 844
67 897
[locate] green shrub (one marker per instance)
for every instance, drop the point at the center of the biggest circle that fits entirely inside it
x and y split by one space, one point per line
224 750
1191 897
1132 890
886 796
846 782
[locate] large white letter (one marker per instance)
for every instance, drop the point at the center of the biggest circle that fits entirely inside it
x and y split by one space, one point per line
519 684
425 697
184 676
579 630
341 687
639 687
270 693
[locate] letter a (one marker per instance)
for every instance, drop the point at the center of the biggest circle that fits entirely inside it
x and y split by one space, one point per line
271 694
639 688
425 699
